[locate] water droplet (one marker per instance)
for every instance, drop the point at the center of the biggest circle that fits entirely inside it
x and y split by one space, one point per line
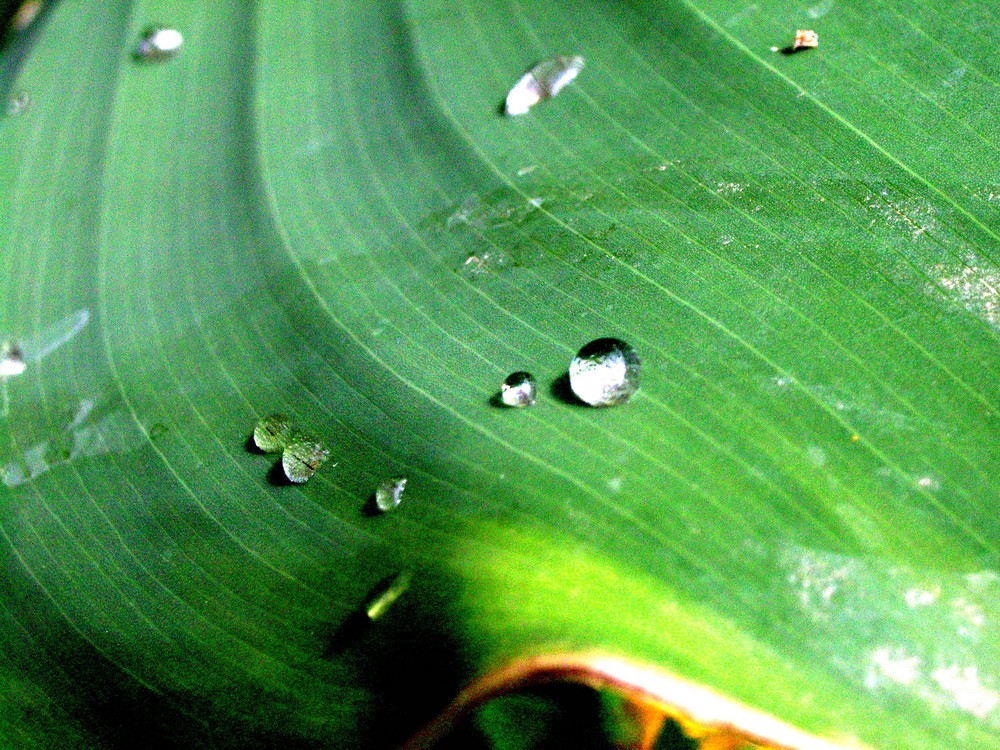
543 81
18 103
272 434
386 593
519 389
158 430
302 457
605 372
11 361
25 15
159 44
483 264
390 493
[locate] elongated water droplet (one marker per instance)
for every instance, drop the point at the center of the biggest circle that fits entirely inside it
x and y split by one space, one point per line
11 361
273 433
390 494
605 372
386 593
302 457
159 44
518 390
543 81
25 15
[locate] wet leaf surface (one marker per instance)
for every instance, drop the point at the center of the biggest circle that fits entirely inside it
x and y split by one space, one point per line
318 209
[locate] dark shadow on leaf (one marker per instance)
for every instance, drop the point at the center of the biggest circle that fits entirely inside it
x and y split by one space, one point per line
408 657
251 446
348 633
276 476
370 508
73 694
562 391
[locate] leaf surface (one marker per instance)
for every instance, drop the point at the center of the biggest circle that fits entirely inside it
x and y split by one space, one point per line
315 209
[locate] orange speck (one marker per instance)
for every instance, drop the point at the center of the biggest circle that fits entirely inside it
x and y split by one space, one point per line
805 39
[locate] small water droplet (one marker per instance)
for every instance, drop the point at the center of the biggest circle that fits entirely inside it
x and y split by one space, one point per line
543 81
25 15
273 433
389 494
518 390
11 360
157 431
302 457
605 372
159 44
386 593
485 263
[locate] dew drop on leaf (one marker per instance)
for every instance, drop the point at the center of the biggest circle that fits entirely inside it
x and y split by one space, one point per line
543 81
605 372
518 390
159 44
390 493
273 433
302 457
386 593
11 361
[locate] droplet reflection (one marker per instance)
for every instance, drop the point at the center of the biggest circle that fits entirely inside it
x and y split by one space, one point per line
605 372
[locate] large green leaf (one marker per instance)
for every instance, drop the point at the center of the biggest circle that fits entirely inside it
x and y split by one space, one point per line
315 208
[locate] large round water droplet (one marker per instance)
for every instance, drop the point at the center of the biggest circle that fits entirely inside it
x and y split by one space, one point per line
605 372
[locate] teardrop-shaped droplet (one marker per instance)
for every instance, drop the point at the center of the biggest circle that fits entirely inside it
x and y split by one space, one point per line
543 81
519 390
605 372
273 433
385 594
302 457
389 494
159 44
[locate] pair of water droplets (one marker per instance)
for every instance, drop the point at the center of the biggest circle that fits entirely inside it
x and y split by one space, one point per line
604 372
302 455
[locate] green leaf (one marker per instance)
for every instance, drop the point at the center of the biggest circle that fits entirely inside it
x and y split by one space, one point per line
316 209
